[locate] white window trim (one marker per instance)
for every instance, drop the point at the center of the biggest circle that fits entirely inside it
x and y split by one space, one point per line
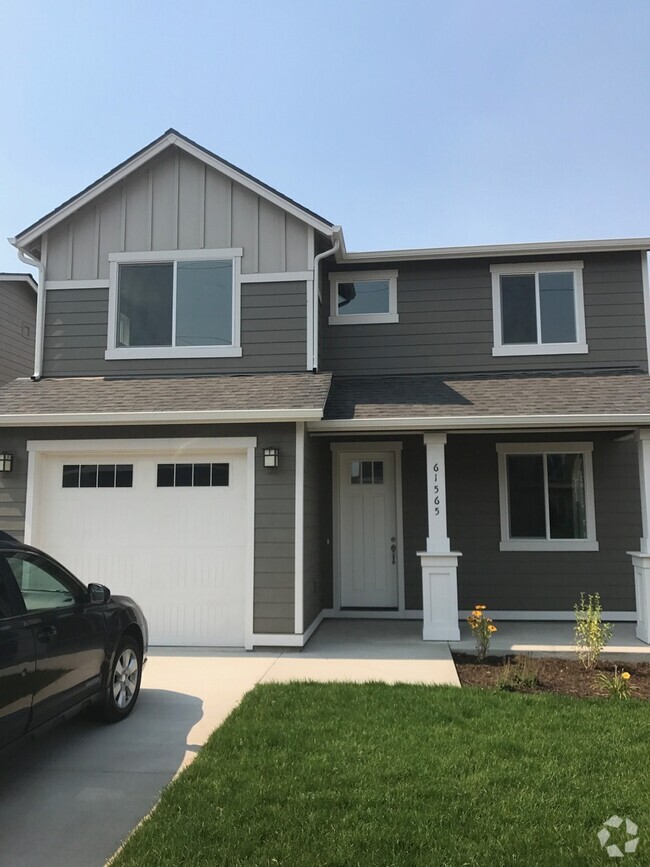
579 346
508 544
115 352
363 318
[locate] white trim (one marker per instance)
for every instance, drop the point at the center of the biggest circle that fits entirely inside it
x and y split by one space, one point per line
491 250
299 550
468 422
390 315
590 543
313 626
623 616
233 350
183 416
131 165
539 348
19 278
338 614
275 639
337 450
249 610
51 285
149 445
645 281
309 363
278 277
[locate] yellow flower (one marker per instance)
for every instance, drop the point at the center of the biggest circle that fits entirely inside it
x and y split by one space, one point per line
476 614
480 607
492 628
626 675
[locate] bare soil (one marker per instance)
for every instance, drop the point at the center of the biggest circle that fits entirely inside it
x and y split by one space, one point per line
561 676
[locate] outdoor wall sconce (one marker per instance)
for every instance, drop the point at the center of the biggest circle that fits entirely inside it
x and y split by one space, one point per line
271 458
6 462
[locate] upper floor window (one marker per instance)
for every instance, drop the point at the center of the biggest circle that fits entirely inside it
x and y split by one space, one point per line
363 297
174 304
538 309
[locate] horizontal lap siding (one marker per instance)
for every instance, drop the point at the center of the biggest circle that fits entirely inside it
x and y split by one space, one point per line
274 503
273 333
445 322
17 327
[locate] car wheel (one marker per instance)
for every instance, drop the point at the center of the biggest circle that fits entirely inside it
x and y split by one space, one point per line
123 687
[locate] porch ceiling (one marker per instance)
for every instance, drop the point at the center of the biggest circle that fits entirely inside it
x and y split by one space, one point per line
599 397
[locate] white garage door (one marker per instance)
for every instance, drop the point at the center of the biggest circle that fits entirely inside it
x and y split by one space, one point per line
169 531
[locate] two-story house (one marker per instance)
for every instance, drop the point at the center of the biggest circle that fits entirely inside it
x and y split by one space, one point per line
248 428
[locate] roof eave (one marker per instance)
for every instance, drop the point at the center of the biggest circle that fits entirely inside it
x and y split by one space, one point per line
481 422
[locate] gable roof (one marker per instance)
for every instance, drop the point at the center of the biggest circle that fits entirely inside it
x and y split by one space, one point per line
168 139
15 277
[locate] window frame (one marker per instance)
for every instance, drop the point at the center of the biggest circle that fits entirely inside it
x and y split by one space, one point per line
336 277
115 352
585 449
579 346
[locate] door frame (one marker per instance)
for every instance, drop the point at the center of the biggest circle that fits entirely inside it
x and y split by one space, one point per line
338 450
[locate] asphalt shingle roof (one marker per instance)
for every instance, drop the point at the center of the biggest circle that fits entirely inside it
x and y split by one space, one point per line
422 396
165 394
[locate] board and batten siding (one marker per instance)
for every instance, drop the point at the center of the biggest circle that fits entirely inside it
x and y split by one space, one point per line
17 329
273 335
446 326
317 562
176 202
274 592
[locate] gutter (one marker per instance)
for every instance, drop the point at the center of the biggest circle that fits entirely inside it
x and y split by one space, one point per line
54 419
27 259
316 294
479 422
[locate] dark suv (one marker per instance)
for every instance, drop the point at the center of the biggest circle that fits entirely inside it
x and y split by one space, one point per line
63 646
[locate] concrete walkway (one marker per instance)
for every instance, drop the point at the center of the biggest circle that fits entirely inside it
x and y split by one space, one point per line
71 797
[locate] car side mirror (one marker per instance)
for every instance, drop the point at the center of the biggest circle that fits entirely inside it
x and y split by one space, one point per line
98 594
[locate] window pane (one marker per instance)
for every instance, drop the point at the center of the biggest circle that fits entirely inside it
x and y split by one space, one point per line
363 296
88 476
145 305
71 476
165 475
183 475
518 308
202 475
557 308
124 476
204 304
366 472
106 476
220 475
566 496
378 472
526 496
42 584
355 472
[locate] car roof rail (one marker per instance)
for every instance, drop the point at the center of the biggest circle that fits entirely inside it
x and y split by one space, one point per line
7 537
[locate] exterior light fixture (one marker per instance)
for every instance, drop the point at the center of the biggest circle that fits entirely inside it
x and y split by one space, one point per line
271 458
6 462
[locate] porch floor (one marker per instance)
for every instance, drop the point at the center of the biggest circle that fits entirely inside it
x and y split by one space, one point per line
551 638
390 651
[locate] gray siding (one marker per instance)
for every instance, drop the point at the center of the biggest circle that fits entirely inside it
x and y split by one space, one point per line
273 334
445 322
17 327
274 504
317 566
176 203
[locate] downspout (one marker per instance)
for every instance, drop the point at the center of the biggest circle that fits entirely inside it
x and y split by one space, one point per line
27 259
317 260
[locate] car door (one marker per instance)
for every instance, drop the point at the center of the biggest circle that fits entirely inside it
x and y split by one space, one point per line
69 634
17 660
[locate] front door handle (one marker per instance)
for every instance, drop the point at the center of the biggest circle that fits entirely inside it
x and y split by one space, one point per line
47 633
393 549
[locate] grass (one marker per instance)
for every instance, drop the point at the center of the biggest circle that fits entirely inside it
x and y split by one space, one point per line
342 774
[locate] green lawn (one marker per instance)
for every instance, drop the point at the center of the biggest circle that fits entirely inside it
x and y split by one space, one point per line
338 774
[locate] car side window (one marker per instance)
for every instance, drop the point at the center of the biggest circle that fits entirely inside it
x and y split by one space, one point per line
5 602
41 583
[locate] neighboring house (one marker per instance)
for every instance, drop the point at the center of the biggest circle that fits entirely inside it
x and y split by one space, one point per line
247 427
17 325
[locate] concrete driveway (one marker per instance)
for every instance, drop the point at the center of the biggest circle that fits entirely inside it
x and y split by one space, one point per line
71 797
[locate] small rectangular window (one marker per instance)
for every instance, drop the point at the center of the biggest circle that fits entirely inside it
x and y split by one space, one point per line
106 476
124 476
183 477
193 475
97 476
220 475
202 475
71 476
165 475
88 476
363 297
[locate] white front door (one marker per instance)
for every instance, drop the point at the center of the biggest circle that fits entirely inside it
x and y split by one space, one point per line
368 530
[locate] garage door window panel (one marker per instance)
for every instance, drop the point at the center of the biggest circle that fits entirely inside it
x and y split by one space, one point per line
97 476
193 475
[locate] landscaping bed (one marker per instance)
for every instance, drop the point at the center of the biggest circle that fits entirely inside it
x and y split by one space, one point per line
561 676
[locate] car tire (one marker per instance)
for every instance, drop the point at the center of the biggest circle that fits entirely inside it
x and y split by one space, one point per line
123 685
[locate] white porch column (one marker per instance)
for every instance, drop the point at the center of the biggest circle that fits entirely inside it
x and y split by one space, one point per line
439 562
641 558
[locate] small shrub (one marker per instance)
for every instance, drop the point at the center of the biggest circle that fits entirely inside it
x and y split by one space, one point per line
615 685
482 629
520 673
591 634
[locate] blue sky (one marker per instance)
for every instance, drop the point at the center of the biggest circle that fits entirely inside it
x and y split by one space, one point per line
410 124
